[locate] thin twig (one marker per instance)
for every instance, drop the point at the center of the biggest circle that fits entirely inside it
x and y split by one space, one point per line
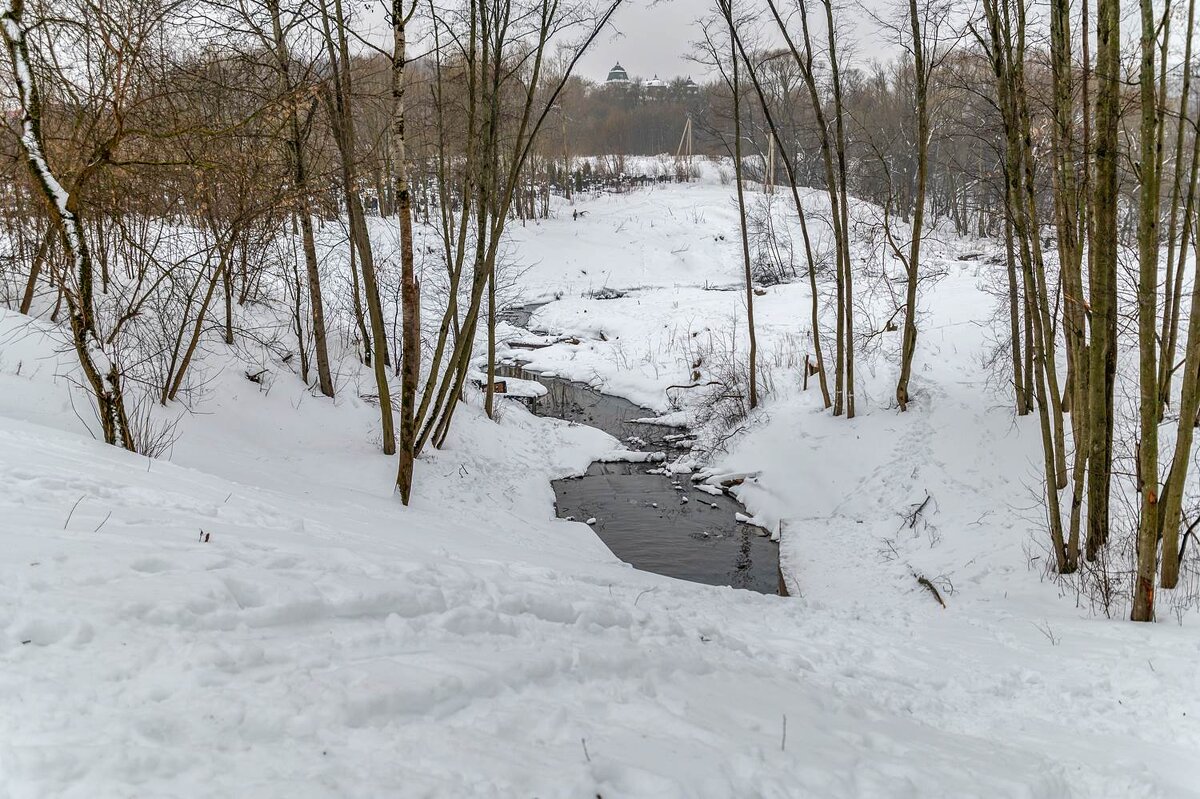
912 519
72 513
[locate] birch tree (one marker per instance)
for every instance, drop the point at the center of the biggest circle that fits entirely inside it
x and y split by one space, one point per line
100 370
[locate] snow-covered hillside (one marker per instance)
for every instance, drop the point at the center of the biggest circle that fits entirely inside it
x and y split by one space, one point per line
256 615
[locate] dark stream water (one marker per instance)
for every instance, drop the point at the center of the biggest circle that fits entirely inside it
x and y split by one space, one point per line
519 315
656 522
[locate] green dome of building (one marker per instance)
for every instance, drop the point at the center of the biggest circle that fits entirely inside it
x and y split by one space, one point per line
617 74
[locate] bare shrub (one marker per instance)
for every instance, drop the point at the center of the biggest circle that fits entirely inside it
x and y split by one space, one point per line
719 391
155 430
772 250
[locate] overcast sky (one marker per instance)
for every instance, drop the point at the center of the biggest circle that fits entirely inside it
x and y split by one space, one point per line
650 38
654 37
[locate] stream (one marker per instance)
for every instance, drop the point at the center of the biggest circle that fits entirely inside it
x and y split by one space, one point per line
656 522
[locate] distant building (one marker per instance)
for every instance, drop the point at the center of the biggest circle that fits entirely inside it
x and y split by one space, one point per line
617 76
653 89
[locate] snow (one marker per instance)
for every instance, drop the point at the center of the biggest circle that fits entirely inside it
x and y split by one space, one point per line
324 641
632 456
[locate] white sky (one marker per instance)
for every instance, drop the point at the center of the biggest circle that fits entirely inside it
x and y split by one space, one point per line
650 38
654 37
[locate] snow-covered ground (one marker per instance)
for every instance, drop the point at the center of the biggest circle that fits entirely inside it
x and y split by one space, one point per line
257 616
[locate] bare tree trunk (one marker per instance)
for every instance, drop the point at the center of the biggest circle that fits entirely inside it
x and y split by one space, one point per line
316 304
804 61
908 346
359 316
1005 55
298 314
1173 284
839 117
1102 281
489 402
198 327
455 243
1189 405
1147 295
727 10
410 292
294 150
35 269
1014 318
1067 213
808 253
338 100
1029 226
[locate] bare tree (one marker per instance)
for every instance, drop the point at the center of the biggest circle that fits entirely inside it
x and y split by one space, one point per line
338 93
100 370
733 78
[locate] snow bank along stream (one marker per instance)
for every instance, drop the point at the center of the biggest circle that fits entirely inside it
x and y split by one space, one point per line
648 516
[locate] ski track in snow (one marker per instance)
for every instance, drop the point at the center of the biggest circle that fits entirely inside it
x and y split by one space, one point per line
324 642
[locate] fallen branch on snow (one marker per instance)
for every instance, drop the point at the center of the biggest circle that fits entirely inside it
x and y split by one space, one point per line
697 385
916 514
931 588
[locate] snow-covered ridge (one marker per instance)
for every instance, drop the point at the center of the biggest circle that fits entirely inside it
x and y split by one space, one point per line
311 647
